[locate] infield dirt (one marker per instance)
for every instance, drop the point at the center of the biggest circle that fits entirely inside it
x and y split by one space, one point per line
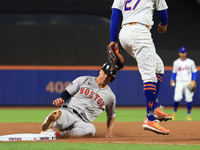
182 132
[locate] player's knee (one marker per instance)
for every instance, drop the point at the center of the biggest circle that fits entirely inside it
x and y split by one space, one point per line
91 130
80 131
160 69
177 99
152 79
188 100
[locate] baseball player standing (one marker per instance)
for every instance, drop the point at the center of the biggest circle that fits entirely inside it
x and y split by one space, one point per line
82 101
184 72
135 38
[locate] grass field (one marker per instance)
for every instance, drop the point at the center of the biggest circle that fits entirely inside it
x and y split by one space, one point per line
90 146
123 115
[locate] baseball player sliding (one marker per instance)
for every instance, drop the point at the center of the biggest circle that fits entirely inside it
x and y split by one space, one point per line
185 73
82 101
135 38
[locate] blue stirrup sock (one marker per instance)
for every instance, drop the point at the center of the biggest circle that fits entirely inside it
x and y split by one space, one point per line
159 77
176 106
189 108
150 94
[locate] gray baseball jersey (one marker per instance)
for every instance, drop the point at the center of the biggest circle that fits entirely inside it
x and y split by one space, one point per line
89 100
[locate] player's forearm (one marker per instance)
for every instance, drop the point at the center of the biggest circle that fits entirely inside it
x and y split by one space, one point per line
110 124
114 24
163 17
173 77
194 76
65 95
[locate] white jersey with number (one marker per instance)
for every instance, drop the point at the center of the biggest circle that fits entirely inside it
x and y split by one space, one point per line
184 69
140 11
89 100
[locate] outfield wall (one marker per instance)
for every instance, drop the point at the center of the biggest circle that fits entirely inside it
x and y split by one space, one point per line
39 86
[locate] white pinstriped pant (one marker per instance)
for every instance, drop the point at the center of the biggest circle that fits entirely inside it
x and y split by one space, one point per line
180 89
137 41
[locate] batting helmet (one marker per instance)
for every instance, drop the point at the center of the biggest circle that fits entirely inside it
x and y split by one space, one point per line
107 67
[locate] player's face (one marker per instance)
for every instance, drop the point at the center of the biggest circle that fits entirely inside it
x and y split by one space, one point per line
182 56
105 77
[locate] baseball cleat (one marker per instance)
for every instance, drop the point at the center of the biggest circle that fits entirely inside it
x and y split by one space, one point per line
53 116
174 115
188 118
162 116
155 127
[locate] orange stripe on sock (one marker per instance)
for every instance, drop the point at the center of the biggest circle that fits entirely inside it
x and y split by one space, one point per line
149 89
159 76
149 85
159 79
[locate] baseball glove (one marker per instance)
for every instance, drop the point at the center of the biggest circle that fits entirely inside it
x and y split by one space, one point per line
115 58
192 86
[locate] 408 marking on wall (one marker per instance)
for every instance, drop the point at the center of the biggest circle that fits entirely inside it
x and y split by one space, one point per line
57 87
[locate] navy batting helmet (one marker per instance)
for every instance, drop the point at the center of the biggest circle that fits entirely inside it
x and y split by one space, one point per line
107 67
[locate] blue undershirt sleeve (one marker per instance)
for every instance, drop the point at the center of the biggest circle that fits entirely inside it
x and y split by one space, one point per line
163 17
194 76
114 24
173 76
65 95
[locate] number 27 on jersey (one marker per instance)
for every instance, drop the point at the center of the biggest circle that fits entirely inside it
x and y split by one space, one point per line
129 8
